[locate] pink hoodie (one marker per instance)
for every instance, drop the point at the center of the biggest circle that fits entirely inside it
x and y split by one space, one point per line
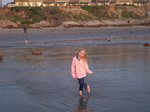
79 68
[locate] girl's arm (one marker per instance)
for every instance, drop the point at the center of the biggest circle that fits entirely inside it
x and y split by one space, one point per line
73 69
87 69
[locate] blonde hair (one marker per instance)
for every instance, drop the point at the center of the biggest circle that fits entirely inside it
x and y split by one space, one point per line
82 49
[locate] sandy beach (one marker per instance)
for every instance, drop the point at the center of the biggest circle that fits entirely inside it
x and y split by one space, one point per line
43 83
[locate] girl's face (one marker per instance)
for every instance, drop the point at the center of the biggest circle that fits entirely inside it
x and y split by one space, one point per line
82 54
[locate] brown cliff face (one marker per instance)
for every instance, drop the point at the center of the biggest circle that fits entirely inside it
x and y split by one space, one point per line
84 16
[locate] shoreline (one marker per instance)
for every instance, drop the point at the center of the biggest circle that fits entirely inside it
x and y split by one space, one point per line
81 26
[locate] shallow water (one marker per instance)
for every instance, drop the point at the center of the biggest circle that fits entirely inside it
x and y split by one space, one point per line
120 82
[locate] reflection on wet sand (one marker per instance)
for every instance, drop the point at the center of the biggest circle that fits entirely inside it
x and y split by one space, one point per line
83 104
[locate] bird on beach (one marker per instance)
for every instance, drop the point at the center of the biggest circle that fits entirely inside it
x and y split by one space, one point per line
26 41
109 39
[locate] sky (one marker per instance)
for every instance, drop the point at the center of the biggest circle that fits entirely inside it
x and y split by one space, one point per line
7 1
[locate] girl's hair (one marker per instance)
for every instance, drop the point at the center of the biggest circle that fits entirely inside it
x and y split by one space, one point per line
82 49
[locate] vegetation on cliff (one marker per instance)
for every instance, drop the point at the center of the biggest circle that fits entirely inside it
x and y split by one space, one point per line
117 12
30 15
57 15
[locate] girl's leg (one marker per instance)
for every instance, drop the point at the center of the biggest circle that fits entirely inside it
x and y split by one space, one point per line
86 87
82 85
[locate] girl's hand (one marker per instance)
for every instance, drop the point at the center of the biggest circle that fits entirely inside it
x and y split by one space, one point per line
90 72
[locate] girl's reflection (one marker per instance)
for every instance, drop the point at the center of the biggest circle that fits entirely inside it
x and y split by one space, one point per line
83 104
1 58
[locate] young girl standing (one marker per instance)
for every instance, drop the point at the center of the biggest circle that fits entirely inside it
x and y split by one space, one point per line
80 68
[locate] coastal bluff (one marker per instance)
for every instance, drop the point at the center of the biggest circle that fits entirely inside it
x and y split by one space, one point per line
74 16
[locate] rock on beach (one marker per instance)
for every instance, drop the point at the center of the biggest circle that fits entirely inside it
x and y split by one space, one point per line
7 24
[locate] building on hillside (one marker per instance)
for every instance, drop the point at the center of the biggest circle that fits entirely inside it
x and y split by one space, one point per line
11 4
85 2
32 3
141 2
21 2
102 2
105 2
112 2
1 4
47 3
124 2
73 2
62 2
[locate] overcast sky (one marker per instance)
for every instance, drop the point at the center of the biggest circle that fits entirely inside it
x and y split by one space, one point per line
7 1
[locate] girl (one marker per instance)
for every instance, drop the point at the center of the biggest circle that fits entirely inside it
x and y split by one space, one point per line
80 68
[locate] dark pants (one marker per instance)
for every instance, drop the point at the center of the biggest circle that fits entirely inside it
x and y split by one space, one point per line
82 84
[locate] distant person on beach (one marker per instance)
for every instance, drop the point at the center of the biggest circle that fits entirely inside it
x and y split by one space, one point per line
25 29
25 32
80 68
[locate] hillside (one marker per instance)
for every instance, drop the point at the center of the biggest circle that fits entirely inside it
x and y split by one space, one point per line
73 16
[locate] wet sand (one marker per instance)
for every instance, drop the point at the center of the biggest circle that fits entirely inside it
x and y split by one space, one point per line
15 100
30 83
74 36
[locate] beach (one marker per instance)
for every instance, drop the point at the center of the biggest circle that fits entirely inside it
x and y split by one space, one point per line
74 36
43 83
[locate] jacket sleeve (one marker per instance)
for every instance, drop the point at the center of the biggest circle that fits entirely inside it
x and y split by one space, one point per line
73 69
87 69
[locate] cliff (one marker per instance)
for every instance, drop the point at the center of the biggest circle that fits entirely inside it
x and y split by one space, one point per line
85 16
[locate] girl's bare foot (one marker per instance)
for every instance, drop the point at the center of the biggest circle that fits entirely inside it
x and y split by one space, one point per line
88 89
80 93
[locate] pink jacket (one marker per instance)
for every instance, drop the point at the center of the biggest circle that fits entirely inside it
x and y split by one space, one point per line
79 68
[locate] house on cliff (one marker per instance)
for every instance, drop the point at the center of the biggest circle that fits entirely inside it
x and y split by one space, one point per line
46 3
102 2
105 2
73 2
32 3
62 2
0 3
124 2
142 2
85 2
